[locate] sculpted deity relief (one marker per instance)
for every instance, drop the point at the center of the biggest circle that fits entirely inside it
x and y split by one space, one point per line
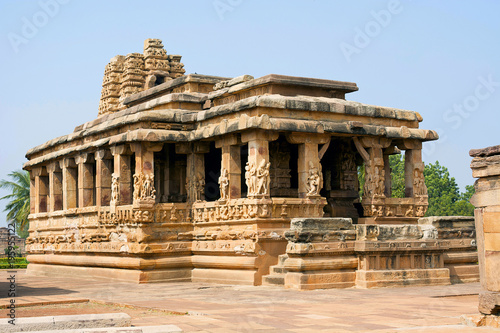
258 178
195 187
144 187
314 180
224 184
115 188
250 177
419 187
374 181
263 178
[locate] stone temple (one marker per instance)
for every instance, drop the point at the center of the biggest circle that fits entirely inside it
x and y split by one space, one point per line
238 180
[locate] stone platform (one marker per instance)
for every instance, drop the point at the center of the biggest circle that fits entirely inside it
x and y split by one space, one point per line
200 307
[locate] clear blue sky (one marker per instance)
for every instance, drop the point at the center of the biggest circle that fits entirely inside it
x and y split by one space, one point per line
439 58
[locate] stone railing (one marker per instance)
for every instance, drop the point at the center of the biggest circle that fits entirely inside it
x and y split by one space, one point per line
249 209
395 207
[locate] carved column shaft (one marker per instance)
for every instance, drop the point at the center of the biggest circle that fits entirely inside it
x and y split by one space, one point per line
32 192
309 164
388 178
308 153
195 168
104 169
85 164
231 161
41 189
258 161
122 169
70 181
55 187
413 160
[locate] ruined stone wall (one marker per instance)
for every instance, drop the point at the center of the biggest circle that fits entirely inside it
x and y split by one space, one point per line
4 242
335 253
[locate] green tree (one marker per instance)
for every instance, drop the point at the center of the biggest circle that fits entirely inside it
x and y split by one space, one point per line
397 164
445 198
18 207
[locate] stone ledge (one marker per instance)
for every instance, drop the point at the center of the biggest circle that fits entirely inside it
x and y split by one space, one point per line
65 322
488 151
143 329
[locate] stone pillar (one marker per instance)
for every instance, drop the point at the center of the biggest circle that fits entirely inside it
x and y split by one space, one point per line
32 192
122 170
413 161
195 168
231 161
55 187
103 171
486 167
371 150
258 162
41 189
86 182
388 178
144 190
309 164
70 183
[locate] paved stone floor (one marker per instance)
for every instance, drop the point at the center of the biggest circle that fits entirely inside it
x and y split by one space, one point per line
222 308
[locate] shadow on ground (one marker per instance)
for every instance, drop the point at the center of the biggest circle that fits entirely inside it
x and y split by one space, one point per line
25 291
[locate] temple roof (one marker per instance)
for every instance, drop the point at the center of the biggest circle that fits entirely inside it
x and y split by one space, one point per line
192 107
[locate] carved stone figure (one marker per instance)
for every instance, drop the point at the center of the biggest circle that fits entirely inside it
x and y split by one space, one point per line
409 211
263 178
137 186
419 187
420 211
144 187
374 181
199 187
115 188
224 184
314 181
251 178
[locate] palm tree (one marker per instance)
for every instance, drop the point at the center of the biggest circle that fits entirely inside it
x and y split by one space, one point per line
18 208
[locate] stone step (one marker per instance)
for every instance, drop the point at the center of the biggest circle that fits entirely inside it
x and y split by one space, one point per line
282 258
277 270
275 280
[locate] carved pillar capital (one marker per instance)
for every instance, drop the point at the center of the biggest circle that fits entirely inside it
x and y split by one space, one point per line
84 158
298 138
103 154
54 167
259 135
120 150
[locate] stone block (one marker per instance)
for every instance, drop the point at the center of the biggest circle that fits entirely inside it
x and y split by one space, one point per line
491 222
225 276
66 322
399 278
489 302
319 280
